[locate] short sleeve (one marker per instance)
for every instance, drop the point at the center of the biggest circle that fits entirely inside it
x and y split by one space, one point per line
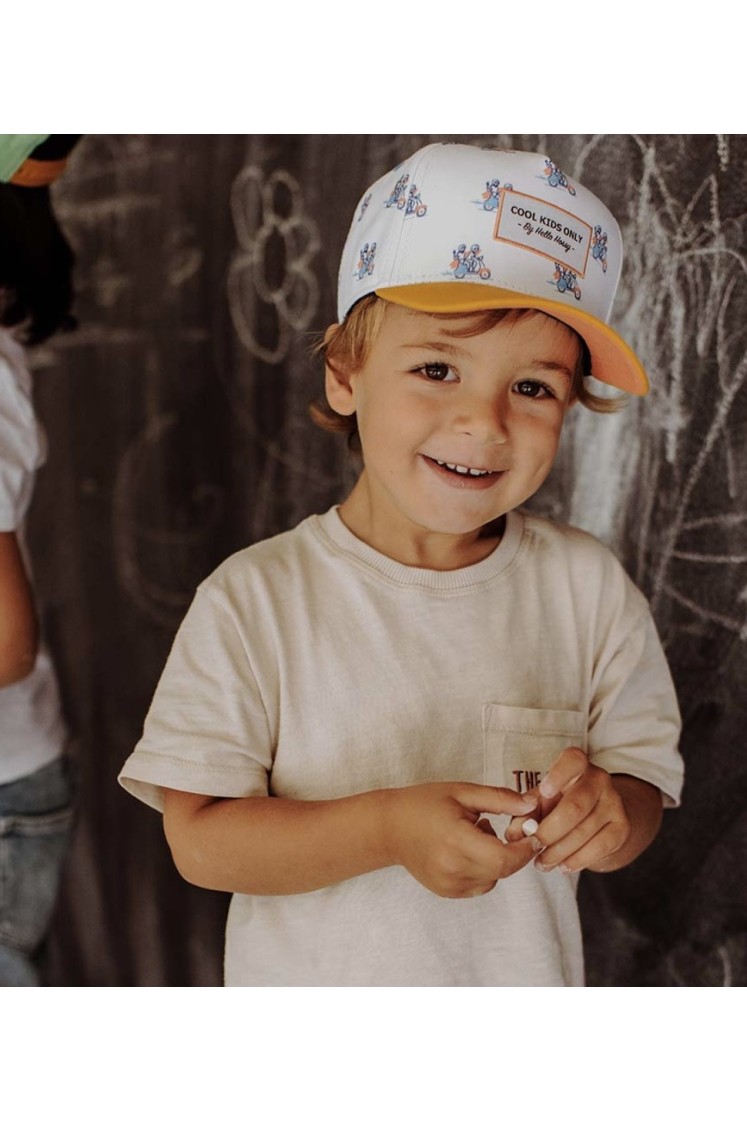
634 722
21 449
206 731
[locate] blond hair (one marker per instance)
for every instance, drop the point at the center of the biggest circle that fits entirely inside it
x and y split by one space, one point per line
348 347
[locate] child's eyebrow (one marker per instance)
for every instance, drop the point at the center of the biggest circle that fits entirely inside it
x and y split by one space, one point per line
540 364
431 344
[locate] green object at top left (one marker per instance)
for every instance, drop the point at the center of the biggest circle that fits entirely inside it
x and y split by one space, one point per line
14 150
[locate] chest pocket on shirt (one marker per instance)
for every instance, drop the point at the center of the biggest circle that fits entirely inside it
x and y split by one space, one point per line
521 744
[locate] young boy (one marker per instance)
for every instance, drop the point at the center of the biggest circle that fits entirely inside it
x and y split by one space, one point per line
355 712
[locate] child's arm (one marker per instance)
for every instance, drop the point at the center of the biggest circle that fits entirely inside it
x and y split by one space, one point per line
591 819
18 628
280 846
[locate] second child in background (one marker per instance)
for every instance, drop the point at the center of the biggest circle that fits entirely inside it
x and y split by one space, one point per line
35 786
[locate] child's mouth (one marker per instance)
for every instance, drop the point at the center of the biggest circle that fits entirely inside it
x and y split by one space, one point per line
461 474
473 472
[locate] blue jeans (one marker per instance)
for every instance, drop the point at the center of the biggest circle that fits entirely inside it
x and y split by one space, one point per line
35 824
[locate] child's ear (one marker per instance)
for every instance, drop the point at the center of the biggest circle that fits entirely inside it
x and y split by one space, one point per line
337 381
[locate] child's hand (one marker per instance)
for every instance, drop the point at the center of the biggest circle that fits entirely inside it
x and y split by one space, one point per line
435 832
583 819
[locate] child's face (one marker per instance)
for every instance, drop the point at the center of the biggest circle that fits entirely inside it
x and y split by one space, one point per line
493 403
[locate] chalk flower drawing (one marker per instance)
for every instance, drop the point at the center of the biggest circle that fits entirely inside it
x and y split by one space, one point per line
273 265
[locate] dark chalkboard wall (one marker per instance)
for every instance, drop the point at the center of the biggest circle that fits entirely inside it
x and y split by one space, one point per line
176 417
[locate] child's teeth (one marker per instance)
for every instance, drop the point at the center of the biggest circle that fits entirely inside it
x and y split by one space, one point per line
462 470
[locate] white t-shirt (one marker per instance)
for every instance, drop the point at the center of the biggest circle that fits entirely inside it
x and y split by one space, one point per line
311 666
32 732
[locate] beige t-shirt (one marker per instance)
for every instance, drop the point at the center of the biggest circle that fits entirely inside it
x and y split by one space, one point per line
310 666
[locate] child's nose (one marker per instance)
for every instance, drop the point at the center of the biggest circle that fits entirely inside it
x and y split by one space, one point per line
484 418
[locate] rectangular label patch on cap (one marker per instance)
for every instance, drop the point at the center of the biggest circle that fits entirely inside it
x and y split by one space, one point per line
537 225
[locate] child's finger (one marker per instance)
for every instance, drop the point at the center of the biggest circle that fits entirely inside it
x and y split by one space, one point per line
516 827
567 769
494 799
516 855
560 849
578 810
491 857
591 854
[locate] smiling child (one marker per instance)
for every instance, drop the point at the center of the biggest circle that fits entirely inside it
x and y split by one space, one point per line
358 716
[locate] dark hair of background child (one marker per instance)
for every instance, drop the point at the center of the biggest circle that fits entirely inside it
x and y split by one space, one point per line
36 261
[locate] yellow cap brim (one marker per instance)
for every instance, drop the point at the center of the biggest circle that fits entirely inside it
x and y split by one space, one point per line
612 360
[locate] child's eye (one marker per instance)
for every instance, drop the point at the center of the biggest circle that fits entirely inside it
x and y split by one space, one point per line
436 371
535 389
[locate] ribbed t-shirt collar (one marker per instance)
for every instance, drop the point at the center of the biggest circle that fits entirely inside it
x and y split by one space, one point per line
337 535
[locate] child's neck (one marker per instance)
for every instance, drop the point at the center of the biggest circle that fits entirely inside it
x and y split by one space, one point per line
409 544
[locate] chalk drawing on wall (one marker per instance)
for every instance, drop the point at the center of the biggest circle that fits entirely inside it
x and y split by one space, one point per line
684 310
273 267
146 553
273 297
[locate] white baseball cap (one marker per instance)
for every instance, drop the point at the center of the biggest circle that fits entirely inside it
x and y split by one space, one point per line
457 228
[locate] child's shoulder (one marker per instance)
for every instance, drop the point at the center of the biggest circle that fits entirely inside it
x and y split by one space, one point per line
272 566
586 560
561 536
